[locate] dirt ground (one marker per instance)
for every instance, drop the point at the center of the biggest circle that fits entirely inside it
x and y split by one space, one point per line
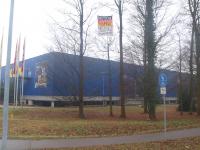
98 113
136 113
64 122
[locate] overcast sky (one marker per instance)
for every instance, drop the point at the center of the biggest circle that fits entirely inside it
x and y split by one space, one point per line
31 20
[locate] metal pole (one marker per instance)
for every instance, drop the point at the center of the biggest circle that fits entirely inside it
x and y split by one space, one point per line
17 68
103 86
17 88
1 61
22 89
14 73
15 80
7 81
109 77
0 83
22 86
165 115
23 65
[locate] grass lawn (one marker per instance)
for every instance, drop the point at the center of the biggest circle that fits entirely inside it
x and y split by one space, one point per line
40 123
180 144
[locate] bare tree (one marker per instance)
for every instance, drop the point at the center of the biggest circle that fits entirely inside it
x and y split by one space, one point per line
191 66
194 8
180 89
120 7
144 10
71 36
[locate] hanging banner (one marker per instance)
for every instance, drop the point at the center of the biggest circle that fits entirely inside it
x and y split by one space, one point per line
41 75
105 25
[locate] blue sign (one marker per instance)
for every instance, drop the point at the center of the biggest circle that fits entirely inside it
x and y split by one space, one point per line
163 80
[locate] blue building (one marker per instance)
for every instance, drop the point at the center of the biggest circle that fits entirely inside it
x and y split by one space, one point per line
54 77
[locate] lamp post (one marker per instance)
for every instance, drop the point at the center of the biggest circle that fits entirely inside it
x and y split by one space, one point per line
7 80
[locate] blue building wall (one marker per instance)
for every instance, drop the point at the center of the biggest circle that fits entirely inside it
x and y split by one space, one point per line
30 74
62 71
66 77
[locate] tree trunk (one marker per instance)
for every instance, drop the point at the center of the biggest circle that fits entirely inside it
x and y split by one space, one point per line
122 88
197 38
110 81
180 91
191 88
81 66
145 71
194 6
145 89
151 50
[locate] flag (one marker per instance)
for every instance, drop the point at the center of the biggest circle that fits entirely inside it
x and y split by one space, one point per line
20 71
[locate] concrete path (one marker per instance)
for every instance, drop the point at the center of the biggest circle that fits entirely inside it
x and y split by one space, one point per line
83 142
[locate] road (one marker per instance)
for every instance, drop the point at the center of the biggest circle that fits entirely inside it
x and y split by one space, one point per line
83 142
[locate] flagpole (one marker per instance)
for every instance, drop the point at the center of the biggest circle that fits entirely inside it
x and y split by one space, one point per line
14 90
14 73
23 68
7 80
17 68
1 50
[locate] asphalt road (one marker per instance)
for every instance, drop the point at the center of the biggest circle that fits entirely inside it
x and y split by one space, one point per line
83 142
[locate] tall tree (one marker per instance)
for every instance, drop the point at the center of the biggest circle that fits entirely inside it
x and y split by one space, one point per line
143 29
194 7
120 6
138 49
71 36
81 65
191 66
150 74
110 79
180 83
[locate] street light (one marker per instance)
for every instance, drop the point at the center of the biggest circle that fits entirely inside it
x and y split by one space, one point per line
7 80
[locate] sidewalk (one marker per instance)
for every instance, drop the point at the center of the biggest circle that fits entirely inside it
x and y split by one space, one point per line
82 142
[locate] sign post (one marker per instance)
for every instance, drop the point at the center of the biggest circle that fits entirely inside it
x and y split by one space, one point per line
163 91
105 28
